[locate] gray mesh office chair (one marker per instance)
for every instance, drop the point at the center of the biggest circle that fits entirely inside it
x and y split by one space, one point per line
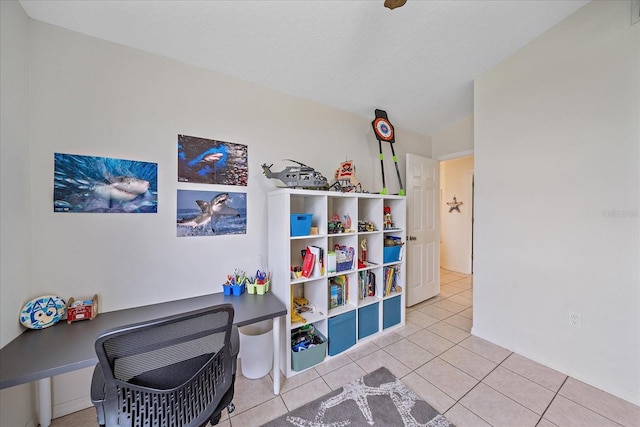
176 371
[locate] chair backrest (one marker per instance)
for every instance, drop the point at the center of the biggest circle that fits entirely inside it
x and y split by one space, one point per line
171 371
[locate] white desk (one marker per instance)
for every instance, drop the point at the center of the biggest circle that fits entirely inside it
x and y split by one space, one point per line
38 355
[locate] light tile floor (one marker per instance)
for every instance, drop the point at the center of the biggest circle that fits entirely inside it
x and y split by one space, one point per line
469 380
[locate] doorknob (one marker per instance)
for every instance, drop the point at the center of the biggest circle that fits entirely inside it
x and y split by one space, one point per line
412 238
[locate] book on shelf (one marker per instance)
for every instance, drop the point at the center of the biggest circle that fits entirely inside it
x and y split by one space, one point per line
338 291
366 284
391 277
331 261
318 263
308 263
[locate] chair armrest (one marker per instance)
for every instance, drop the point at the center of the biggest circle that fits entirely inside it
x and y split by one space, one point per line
235 349
98 394
235 341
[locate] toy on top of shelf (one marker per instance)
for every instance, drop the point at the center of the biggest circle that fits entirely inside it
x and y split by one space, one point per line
383 130
345 178
302 176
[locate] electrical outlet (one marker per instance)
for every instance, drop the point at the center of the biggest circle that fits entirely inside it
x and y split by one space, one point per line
575 319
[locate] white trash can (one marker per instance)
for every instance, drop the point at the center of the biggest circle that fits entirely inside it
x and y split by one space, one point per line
256 349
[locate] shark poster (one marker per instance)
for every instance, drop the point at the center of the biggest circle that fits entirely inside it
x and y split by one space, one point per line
211 213
102 184
207 161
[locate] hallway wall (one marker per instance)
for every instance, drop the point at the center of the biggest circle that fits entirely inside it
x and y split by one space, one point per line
455 227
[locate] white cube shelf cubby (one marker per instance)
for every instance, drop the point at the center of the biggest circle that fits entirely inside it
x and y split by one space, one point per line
360 318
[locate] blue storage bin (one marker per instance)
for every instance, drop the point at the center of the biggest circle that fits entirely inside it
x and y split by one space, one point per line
342 332
391 254
368 320
390 312
301 360
301 224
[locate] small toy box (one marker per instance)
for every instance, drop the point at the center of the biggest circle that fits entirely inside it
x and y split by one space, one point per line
301 360
391 253
301 224
82 309
344 258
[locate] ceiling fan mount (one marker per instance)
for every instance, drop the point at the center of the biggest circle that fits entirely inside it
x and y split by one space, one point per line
392 4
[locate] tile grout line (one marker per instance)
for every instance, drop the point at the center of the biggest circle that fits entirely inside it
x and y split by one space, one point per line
472 388
552 400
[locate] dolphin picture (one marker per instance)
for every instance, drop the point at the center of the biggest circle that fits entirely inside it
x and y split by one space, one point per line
210 212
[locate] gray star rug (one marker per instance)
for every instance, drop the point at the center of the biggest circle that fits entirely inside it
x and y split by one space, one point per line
377 399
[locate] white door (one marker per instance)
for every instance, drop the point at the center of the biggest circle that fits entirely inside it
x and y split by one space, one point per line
423 229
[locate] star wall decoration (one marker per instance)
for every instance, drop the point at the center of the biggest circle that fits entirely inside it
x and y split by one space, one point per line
455 205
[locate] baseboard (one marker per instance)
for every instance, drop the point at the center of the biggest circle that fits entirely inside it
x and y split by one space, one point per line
75 405
612 389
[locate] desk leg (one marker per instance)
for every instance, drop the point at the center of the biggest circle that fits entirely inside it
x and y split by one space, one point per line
44 402
276 355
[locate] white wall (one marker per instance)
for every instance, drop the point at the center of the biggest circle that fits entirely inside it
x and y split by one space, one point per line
16 183
557 221
454 141
92 97
455 227
97 98
16 404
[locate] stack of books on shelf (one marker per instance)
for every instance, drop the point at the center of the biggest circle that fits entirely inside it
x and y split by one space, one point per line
338 291
366 284
391 280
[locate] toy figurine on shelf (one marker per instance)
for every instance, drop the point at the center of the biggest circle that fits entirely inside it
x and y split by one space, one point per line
388 224
347 223
335 225
363 252
364 226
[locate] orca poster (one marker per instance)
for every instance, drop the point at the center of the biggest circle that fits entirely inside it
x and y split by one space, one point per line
102 184
207 161
211 213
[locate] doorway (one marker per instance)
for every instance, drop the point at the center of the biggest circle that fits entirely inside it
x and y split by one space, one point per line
456 214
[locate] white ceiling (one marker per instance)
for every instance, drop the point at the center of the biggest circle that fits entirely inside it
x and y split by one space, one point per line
416 62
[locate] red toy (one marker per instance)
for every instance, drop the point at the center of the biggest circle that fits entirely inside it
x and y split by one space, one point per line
82 310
